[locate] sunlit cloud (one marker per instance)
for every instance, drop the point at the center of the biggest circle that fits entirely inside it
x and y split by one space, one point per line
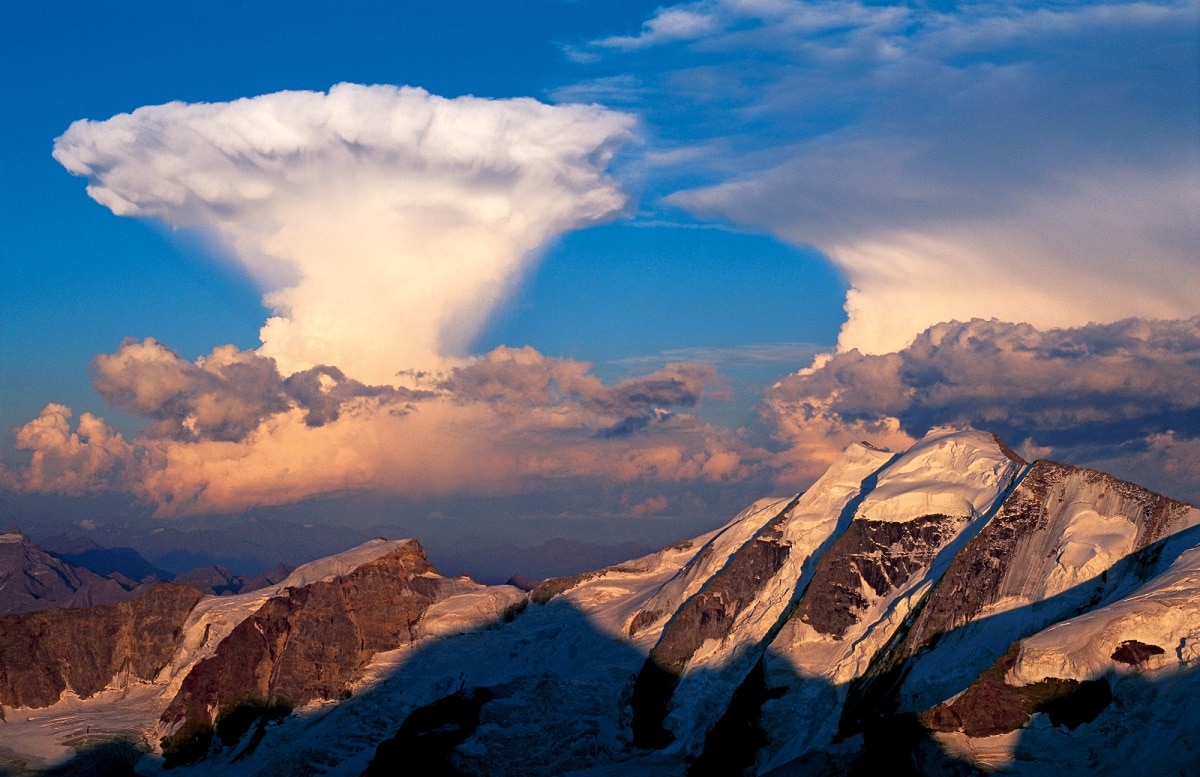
383 224
1028 163
226 395
91 458
230 433
1122 395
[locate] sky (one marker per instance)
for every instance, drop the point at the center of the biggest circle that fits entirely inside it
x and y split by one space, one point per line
567 268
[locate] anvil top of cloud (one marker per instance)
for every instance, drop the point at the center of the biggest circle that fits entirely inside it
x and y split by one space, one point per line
978 159
1008 189
383 223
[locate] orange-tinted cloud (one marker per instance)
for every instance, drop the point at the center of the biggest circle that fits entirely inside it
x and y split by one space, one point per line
230 433
89 459
1103 394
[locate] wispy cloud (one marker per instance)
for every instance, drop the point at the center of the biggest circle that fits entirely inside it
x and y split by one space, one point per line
787 355
668 24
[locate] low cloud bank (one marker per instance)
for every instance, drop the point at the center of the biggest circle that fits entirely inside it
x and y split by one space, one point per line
229 432
1116 395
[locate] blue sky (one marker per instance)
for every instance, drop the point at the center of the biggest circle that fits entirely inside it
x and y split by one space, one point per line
83 280
767 181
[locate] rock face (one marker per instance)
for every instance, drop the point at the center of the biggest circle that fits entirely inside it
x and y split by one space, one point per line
1062 526
307 643
881 554
944 609
84 650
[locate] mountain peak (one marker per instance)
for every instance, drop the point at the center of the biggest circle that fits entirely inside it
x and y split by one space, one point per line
956 472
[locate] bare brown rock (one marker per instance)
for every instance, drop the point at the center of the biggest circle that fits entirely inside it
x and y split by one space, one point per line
44 653
1135 653
990 706
307 643
881 554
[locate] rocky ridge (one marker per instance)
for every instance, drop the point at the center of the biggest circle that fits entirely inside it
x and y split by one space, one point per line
944 609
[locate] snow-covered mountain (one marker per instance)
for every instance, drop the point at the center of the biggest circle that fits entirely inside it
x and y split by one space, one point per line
946 609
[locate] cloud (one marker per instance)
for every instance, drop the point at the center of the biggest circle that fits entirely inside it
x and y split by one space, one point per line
384 224
999 159
733 357
90 459
230 433
652 506
223 396
1115 393
521 377
668 24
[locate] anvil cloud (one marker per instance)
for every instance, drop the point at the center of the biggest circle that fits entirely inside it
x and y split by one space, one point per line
384 224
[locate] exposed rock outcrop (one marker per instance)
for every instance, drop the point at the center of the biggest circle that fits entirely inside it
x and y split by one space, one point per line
306 643
881 554
991 706
88 649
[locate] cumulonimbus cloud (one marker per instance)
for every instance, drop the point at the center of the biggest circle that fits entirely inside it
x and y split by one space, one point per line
985 159
384 224
1118 394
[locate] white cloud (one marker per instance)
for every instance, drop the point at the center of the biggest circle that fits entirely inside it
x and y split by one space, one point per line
987 159
384 224
668 24
1108 246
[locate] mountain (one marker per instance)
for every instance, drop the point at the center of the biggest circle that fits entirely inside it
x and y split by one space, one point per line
32 579
218 580
87 553
949 609
245 546
63 571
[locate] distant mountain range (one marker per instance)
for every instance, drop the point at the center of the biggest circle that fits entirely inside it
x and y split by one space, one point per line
76 572
950 609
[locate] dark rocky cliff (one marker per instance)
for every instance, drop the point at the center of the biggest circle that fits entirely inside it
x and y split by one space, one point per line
44 653
306 643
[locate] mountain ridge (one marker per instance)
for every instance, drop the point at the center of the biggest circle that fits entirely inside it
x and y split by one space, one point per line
871 619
